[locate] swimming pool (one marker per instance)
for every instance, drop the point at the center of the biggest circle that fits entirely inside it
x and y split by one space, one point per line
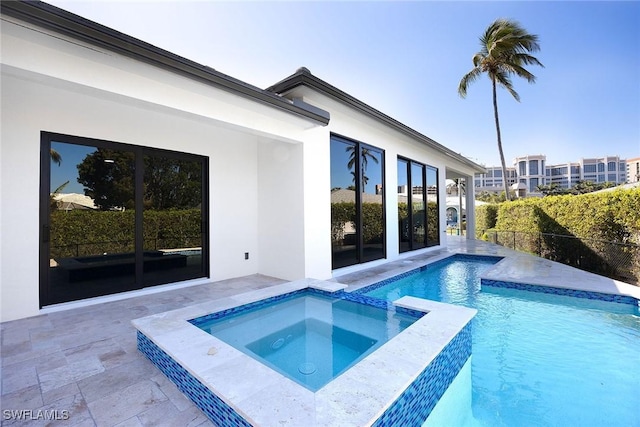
538 358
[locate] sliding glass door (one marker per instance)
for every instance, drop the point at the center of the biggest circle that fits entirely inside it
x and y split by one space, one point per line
357 202
418 213
117 217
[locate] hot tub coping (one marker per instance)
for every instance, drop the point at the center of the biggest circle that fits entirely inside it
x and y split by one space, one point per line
265 397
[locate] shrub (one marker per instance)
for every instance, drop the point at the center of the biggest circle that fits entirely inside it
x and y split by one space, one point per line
83 232
486 217
594 219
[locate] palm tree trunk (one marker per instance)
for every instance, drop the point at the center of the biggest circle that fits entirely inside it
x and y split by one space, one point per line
504 166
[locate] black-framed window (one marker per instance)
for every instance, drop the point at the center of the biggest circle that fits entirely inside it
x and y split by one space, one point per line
418 212
357 202
117 217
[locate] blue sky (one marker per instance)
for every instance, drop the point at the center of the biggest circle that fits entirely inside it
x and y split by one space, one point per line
407 58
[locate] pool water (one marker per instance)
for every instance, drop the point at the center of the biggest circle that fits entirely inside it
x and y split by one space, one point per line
538 359
309 337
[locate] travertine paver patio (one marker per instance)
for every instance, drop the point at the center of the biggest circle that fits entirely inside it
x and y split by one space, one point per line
84 360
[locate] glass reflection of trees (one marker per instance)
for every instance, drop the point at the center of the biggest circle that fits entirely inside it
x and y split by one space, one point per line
433 211
100 243
108 178
357 202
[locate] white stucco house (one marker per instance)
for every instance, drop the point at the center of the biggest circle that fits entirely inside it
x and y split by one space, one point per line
178 143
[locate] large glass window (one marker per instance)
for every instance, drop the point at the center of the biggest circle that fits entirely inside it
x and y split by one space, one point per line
523 168
418 215
433 211
533 185
404 219
357 202
118 217
533 167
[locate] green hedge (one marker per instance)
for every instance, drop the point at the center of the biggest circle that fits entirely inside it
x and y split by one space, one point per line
84 232
593 219
611 216
486 217
372 215
345 212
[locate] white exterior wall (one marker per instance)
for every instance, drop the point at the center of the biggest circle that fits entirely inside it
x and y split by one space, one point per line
352 124
124 101
280 210
29 108
269 170
317 204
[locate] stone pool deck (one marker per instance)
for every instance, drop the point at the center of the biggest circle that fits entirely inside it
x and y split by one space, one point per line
84 364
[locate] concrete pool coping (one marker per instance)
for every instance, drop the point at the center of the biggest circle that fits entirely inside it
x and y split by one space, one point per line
265 397
514 267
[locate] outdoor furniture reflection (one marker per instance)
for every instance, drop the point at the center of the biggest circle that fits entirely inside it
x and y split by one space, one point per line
78 269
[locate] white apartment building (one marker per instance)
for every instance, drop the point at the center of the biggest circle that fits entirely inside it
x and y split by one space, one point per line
532 171
604 169
565 175
633 170
492 180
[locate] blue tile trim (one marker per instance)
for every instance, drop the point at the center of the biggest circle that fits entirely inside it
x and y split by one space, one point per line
217 410
410 409
250 306
361 299
385 282
623 299
416 403
440 262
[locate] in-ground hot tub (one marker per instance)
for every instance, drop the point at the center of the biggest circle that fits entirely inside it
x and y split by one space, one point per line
308 335
395 382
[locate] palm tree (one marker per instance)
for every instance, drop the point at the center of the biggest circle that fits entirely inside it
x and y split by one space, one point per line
365 155
55 156
505 51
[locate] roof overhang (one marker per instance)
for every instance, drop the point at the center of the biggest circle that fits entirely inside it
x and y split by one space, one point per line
58 20
303 77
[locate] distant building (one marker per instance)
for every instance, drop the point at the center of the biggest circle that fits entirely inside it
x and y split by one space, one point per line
491 181
633 170
530 171
604 169
565 175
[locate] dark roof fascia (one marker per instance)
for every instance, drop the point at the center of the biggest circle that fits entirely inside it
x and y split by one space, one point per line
67 23
303 77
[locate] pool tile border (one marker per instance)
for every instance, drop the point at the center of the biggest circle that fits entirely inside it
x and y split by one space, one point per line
214 407
454 257
340 294
576 293
416 403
